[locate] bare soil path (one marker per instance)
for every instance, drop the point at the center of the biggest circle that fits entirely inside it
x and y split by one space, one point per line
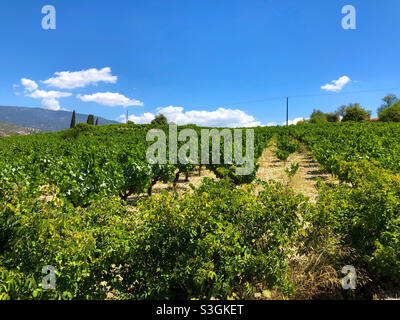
304 181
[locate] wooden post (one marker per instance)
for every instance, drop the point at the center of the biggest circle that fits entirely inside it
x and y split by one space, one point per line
287 111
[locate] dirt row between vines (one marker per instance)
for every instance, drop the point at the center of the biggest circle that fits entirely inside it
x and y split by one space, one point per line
305 180
271 168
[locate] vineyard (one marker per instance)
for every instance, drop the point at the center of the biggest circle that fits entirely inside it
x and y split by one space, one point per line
65 202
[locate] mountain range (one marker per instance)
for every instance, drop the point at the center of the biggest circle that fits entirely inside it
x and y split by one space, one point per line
43 119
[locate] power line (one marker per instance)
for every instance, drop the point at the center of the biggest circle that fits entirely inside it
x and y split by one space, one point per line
294 97
342 93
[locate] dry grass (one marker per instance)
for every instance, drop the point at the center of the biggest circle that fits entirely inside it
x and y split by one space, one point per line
314 272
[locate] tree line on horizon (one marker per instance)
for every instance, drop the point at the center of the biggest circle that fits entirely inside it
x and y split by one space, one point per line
90 120
389 111
159 119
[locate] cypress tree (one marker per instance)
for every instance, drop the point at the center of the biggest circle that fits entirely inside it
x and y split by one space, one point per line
90 119
72 120
97 121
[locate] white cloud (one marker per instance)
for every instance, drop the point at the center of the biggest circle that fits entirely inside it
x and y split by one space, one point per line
295 121
111 99
217 118
48 94
28 84
49 98
336 85
145 118
51 104
79 79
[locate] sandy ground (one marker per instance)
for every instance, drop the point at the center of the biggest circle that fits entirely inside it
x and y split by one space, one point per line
303 182
182 185
194 178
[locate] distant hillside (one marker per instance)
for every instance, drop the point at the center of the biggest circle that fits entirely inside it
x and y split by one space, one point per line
43 119
8 129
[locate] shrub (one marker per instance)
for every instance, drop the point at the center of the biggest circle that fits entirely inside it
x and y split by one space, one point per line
391 113
82 245
318 117
366 216
285 146
160 119
213 242
354 112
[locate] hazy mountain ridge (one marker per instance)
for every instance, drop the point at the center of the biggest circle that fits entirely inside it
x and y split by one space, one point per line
43 119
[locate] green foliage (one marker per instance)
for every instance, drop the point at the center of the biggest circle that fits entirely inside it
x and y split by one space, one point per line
291 172
212 243
351 142
285 146
215 241
318 116
76 131
73 120
82 245
16 286
160 119
230 172
354 112
391 113
60 205
388 100
282 155
366 216
90 119
363 210
332 117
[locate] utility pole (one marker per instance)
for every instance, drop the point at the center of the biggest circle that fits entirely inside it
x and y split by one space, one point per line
287 111
127 115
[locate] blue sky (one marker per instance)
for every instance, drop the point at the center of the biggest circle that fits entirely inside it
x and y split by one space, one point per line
209 62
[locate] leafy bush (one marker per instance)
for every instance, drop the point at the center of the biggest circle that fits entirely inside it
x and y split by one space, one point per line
354 112
216 241
318 117
213 242
82 245
160 119
366 216
77 130
391 113
229 172
285 146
